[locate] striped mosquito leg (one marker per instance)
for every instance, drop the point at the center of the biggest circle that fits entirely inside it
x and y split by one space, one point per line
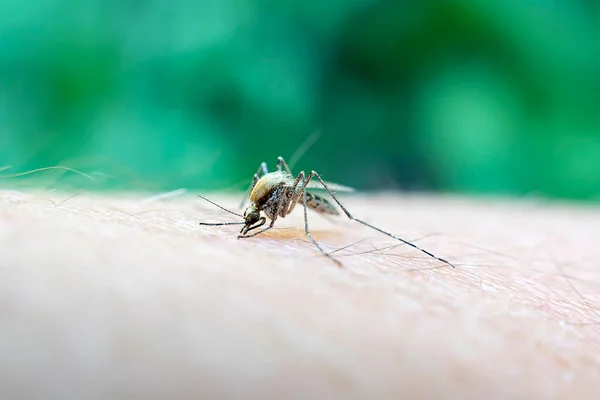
282 164
306 230
295 195
339 203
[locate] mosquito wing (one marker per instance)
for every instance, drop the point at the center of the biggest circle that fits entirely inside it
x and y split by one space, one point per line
333 186
313 184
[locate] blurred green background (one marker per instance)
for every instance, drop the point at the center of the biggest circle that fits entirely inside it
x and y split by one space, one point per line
464 96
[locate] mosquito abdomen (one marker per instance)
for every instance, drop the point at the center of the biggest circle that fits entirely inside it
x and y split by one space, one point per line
320 204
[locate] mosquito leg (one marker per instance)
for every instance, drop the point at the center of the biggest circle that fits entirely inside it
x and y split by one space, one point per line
282 203
339 203
282 164
291 202
294 195
306 230
262 169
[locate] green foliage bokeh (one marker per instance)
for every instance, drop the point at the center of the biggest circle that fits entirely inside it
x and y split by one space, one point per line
463 95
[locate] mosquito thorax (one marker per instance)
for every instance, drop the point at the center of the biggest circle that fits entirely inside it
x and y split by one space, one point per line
265 186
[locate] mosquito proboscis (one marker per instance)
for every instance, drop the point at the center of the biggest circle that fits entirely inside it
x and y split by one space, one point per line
275 194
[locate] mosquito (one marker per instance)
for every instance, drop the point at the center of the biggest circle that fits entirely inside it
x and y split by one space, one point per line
276 194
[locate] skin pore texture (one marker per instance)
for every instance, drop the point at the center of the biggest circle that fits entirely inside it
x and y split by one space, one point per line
126 296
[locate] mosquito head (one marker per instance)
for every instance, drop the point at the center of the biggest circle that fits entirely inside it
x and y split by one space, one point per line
252 218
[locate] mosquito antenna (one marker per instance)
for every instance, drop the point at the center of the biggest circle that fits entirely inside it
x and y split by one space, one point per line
222 208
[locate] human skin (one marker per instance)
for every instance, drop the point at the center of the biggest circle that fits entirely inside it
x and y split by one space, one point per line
122 296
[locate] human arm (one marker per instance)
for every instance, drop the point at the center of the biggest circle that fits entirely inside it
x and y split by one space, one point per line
109 296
